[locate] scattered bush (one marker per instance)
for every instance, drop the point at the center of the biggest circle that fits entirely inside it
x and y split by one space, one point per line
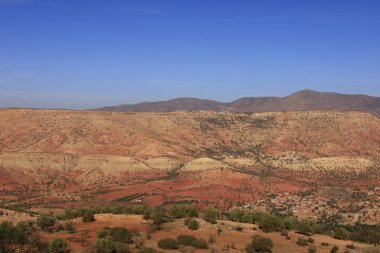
88 217
69 227
302 241
312 249
121 247
168 243
58 245
350 246
45 221
120 234
186 240
334 249
260 244
271 223
193 224
105 245
306 227
200 244
183 211
211 215
341 234
147 250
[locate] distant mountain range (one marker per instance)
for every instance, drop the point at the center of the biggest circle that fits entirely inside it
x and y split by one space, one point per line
305 100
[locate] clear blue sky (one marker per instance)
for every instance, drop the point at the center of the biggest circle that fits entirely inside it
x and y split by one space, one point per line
89 53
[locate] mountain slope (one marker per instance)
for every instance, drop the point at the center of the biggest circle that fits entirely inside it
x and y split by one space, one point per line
306 100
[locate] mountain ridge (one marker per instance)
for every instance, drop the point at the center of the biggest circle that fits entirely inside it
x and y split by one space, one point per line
304 100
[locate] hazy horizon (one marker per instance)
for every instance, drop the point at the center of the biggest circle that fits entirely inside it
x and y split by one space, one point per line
80 55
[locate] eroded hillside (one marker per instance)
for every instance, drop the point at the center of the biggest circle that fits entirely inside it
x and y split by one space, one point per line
95 158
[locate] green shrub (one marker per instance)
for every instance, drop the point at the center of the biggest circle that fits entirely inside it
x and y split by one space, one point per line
58 245
183 211
168 243
325 244
186 240
236 215
310 240
105 245
307 227
102 234
69 227
350 246
341 234
334 249
290 223
6 236
271 223
312 249
260 244
22 232
211 215
193 224
121 247
247 218
200 244
45 221
120 234
88 217
302 241
147 250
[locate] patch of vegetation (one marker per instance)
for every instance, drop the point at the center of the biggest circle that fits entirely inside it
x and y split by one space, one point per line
182 211
192 224
58 245
168 243
271 223
302 241
260 244
147 250
45 221
192 241
130 197
88 217
211 215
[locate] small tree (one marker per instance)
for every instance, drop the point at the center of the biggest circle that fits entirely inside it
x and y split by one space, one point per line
260 244
58 245
193 224
88 217
271 223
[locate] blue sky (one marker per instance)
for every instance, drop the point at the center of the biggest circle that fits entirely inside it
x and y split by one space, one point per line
90 53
